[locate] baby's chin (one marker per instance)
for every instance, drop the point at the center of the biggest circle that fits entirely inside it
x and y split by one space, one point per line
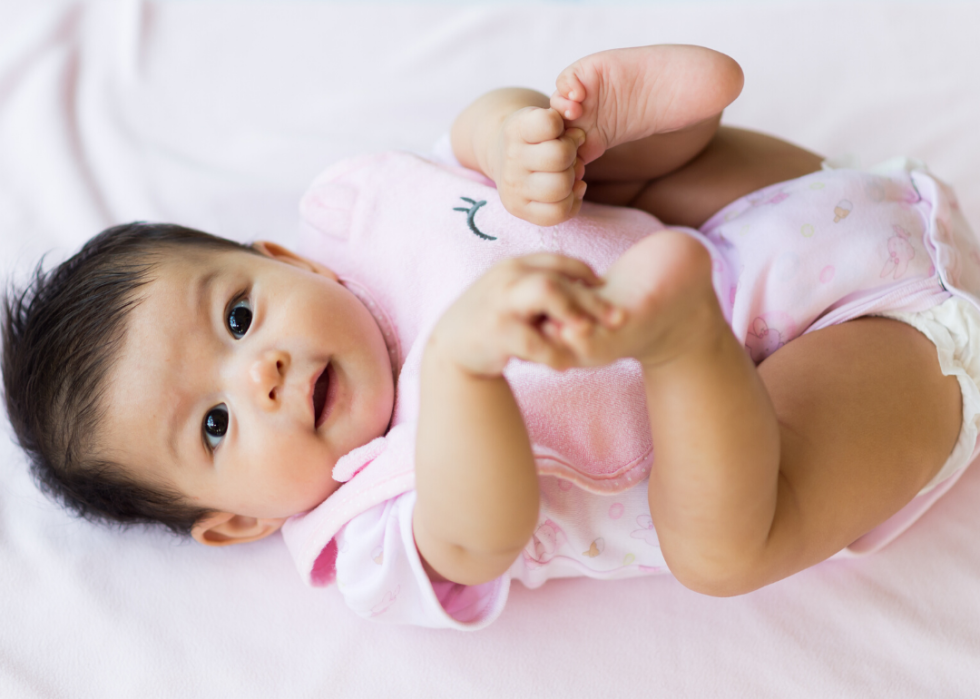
299 499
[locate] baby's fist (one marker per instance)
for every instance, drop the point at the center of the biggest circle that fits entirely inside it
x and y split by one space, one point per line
534 164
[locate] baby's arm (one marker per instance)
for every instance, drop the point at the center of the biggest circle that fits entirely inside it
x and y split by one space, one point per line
476 480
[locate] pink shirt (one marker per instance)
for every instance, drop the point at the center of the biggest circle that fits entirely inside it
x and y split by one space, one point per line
407 236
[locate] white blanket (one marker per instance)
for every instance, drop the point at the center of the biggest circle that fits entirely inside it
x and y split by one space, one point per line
216 115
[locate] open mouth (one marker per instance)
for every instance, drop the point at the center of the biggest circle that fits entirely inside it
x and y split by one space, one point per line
321 391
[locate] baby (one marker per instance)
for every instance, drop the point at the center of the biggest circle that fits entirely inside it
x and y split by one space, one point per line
390 399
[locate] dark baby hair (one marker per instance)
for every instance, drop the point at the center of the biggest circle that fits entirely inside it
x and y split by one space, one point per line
61 335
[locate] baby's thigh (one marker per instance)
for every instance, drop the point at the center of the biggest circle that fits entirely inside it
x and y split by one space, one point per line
866 419
735 163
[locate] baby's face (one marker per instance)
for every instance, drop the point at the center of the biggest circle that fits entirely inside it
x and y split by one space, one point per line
243 378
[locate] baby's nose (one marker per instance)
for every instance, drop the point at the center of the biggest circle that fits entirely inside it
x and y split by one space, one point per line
267 374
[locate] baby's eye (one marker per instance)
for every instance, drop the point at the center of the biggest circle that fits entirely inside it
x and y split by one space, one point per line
215 425
239 318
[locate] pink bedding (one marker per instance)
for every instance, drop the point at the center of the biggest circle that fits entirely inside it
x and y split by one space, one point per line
217 115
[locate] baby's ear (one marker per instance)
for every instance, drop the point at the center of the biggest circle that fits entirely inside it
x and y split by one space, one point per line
278 252
224 528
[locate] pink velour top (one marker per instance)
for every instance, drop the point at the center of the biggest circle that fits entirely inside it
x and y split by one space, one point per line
407 236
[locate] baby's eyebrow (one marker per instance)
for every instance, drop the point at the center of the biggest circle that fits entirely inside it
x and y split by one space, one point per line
178 418
199 302
202 292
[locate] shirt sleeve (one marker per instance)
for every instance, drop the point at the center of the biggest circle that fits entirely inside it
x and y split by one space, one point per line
380 575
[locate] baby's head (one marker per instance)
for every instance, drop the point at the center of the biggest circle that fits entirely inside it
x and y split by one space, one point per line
163 375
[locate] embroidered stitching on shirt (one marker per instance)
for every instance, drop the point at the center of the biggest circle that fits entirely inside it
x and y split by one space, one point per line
470 214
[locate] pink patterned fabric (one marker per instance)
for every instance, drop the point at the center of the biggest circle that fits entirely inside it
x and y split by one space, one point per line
408 236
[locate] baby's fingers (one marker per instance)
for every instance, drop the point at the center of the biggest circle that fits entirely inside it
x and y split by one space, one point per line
549 187
596 308
554 156
542 344
579 346
561 300
540 125
551 214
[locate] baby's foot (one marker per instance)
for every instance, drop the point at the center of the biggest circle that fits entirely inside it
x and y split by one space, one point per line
663 283
624 95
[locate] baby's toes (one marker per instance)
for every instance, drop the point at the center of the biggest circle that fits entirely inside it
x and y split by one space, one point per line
569 86
567 108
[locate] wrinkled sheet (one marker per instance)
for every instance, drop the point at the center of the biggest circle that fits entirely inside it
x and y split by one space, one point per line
216 115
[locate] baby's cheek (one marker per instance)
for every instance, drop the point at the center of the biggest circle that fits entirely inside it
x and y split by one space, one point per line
295 477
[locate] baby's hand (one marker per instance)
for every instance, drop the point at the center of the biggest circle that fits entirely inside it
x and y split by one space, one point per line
533 162
536 308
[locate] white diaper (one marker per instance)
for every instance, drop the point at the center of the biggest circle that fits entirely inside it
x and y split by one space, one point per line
954 327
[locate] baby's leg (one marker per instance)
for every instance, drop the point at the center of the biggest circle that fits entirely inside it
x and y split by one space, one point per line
866 419
760 472
736 162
